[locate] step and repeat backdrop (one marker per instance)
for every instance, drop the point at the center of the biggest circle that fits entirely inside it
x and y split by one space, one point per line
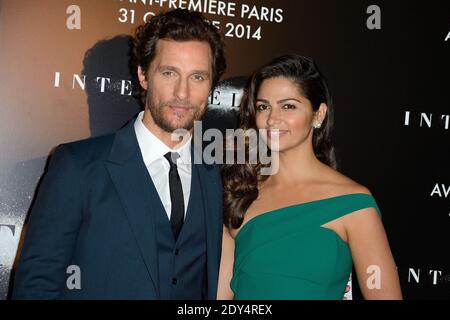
65 75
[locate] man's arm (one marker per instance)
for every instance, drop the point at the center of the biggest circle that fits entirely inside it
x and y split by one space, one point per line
51 232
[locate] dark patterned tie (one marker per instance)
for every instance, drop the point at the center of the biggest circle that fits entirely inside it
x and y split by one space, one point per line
176 195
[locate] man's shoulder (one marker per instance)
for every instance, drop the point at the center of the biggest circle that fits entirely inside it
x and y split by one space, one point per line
90 149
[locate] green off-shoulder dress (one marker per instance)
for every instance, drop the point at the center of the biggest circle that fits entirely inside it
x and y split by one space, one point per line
286 254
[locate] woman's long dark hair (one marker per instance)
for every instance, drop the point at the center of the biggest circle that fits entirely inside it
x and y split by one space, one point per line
241 180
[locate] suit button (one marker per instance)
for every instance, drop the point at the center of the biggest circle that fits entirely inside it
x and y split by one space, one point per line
174 280
177 252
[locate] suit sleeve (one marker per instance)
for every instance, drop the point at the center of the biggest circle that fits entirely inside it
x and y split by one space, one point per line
52 231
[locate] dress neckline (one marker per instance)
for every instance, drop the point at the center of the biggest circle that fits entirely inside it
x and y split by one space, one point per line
270 212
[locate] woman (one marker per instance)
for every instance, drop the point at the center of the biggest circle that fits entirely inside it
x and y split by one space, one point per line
295 233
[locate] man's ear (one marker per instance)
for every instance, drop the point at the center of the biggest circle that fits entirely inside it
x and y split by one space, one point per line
321 113
142 78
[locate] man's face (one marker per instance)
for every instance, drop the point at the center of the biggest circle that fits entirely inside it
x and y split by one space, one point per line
178 83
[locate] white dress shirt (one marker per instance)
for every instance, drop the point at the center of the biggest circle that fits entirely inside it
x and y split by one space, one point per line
153 151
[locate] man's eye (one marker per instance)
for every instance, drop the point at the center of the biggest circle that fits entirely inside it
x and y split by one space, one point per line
167 73
199 77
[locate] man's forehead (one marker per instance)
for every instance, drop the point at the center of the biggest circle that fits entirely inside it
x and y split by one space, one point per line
172 42
191 53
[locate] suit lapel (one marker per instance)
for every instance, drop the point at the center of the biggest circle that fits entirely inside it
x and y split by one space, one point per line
133 184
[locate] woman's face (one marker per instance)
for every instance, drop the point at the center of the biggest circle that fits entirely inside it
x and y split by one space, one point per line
285 113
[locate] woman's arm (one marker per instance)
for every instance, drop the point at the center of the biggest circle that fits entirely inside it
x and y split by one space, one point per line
224 291
374 264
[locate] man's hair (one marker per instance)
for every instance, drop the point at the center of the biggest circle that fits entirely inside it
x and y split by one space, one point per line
178 25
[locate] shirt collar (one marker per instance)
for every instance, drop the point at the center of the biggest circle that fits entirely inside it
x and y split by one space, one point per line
152 148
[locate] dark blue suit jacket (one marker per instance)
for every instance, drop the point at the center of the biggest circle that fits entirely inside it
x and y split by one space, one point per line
94 211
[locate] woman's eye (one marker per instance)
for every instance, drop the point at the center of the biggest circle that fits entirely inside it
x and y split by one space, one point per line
167 73
261 107
288 106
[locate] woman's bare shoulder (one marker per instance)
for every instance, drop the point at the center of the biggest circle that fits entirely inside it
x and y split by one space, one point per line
342 184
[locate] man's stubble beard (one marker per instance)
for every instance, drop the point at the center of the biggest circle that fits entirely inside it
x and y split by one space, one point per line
157 113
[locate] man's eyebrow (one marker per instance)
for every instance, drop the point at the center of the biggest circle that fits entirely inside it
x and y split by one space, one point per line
203 72
172 68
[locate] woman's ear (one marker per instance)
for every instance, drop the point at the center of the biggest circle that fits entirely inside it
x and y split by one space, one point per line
321 113
142 78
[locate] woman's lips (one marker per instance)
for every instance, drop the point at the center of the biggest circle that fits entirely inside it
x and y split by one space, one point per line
275 133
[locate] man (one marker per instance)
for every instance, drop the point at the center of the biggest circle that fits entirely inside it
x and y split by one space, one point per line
129 215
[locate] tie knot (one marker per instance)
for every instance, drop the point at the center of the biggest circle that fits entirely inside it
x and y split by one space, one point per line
172 158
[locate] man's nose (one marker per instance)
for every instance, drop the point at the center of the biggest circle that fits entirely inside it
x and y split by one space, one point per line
182 89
